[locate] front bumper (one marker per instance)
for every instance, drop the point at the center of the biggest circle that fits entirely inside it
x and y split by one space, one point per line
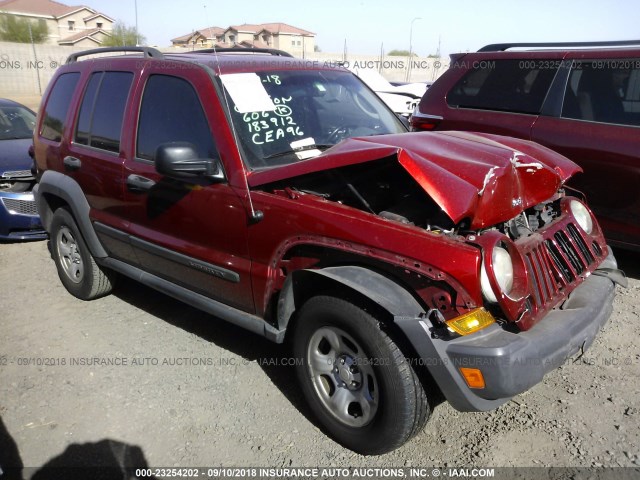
19 218
513 362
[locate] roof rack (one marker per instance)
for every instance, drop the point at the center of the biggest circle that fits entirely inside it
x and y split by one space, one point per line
270 51
501 47
148 52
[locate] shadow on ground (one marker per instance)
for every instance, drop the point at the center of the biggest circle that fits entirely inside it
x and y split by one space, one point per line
103 460
629 262
272 358
10 462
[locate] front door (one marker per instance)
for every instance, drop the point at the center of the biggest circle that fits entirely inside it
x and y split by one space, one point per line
193 233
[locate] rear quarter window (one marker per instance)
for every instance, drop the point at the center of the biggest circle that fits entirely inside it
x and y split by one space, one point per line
518 86
55 112
604 91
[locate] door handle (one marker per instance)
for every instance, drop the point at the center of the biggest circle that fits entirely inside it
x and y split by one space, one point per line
72 163
138 184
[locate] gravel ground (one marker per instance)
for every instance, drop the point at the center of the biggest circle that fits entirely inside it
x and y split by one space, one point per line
239 405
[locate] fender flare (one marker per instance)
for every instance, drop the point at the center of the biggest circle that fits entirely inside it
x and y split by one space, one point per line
67 189
359 281
406 311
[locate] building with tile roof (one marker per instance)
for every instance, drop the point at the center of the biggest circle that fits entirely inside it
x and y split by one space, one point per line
262 35
68 25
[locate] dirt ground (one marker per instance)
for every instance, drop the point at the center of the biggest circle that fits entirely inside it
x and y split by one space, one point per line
189 390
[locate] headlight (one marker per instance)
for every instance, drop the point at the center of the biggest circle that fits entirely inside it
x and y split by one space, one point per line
582 216
503 271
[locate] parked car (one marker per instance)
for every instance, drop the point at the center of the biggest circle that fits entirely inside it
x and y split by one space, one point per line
19 218
402 99
580 99
290 200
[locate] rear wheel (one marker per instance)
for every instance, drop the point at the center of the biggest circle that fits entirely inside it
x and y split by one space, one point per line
354 377
77 269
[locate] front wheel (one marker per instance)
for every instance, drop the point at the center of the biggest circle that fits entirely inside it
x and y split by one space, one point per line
355 379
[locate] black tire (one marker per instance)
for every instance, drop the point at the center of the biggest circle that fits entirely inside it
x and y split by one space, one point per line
79 273
386 403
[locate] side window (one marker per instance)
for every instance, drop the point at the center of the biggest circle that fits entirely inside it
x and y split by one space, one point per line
102 110
504 85
606 91
171 112
57 107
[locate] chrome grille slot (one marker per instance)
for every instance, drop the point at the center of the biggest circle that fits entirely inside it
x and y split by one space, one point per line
579 241
542 276
560 261
570 252
555 261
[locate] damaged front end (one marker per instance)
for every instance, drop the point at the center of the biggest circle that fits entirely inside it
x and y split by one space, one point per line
538 240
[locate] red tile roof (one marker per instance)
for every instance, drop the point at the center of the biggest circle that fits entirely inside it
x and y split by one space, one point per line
40 7
276 28
207 32
82 34
211 32
98 14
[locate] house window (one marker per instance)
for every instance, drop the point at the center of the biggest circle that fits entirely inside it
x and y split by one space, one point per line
232 39
72 25
99 24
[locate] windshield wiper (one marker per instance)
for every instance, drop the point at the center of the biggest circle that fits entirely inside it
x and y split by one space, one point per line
320 147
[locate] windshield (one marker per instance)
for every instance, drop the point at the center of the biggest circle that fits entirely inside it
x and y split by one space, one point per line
283 117
16 122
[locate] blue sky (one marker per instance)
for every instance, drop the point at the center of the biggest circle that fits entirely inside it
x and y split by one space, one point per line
462 25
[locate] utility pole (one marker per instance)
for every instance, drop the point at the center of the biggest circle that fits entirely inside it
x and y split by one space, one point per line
411 48
35 57
137 34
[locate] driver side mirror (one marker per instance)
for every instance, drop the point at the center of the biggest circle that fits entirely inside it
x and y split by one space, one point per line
180 160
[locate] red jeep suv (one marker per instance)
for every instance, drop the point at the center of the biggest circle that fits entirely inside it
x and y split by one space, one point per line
579 99
285 197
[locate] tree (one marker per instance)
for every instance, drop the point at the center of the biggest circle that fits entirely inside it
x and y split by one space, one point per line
400 53
16 29
317 48
123 36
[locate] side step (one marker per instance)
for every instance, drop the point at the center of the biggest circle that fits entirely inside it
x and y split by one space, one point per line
232 315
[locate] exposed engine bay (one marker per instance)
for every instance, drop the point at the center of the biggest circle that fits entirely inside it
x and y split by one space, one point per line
385 189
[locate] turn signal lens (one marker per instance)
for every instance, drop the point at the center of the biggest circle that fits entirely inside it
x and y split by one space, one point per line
471 322
473 377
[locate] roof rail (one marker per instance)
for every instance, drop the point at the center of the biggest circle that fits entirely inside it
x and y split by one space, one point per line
501 47
148 52
270 51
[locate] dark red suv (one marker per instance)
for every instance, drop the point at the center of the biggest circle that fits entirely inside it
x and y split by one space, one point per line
580 99
285 197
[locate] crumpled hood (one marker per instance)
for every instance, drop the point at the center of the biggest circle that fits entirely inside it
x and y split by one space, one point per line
485 178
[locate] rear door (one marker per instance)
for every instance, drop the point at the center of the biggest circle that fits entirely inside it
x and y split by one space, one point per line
191 233
598 128
95 156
